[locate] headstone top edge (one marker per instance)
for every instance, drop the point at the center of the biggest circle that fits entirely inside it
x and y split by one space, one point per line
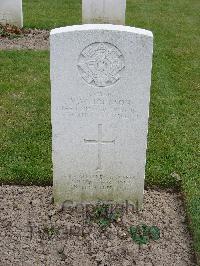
87 27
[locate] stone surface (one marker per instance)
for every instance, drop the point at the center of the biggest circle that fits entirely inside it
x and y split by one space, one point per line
11 12
100 78
104 11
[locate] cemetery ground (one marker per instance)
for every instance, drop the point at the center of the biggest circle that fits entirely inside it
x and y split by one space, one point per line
173 143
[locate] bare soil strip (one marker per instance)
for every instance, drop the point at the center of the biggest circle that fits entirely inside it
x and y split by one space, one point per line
29 39
35 232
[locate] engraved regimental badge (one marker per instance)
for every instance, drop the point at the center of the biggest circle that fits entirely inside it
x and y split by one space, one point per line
100 64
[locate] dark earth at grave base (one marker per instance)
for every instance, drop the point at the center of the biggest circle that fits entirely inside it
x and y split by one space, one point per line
35 232
12 37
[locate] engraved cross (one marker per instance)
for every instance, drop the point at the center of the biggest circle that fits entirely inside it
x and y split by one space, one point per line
100 142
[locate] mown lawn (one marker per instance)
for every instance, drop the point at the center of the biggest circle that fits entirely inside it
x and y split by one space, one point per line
174 133
51 13
25 118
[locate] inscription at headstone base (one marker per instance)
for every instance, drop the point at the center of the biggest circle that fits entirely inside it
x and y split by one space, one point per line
11 12
100 79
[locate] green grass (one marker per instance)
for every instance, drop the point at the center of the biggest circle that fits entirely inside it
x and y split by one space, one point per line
173 146
25 118
51 13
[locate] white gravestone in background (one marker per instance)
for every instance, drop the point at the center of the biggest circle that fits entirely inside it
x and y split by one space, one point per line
100 78
104 11
11 12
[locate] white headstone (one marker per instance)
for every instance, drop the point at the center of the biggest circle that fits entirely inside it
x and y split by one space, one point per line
100 78
104 11
11 12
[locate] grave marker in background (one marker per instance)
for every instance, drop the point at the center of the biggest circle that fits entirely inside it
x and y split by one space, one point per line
11 12
100 79
104 11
